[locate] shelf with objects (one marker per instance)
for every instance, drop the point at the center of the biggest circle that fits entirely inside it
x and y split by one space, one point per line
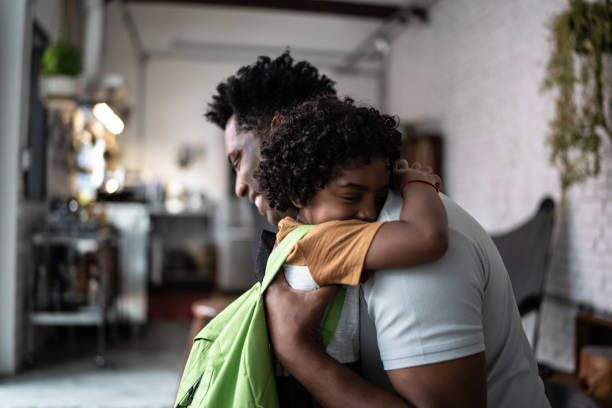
183 253
77 277
74 280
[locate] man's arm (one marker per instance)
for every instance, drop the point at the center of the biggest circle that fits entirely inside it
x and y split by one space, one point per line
292 320
455 383
331 383
293 317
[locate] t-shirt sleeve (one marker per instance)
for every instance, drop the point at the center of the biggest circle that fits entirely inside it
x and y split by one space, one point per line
335 251
430 313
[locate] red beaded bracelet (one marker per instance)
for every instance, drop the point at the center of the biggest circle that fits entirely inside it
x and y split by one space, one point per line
419 181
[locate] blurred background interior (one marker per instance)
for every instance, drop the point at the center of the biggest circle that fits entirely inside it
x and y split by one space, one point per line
119 228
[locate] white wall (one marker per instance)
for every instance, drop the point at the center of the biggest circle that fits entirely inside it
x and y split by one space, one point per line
475 73
364 89
48 13
14 71
177 94
177 91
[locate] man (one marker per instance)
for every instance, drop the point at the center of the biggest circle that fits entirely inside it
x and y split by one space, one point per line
243 107
449 332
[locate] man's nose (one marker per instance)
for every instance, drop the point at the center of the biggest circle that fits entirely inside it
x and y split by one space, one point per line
241 189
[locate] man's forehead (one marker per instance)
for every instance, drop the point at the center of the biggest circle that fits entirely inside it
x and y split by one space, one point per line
230 134
237 139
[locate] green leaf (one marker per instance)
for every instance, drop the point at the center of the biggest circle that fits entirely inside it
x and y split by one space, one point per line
61 58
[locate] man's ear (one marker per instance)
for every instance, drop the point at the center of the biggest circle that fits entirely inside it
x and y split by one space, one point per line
296 204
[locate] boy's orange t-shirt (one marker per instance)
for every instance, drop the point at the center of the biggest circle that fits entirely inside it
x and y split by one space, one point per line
334 251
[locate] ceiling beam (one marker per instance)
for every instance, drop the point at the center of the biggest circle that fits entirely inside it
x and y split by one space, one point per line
329 7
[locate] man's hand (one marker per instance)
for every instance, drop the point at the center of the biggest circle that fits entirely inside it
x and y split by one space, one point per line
294 317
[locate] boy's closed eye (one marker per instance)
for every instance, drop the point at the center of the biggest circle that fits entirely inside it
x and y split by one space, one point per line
351 198
354 197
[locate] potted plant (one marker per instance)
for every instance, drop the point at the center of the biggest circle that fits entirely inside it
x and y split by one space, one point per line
580 70
61 67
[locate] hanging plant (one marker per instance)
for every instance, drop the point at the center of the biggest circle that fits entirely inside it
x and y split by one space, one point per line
61 58
59 82
581 37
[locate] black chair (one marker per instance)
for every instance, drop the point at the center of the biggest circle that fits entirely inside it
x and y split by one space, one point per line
525 252
562 396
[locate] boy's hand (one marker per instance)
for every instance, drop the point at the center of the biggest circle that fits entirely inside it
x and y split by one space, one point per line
402 172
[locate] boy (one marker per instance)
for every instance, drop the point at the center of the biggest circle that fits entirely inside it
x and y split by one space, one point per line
332 161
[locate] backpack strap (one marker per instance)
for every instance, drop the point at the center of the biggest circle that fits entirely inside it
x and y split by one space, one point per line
331 318
281 252
275 262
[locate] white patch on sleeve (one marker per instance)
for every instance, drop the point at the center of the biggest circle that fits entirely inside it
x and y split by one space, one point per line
299 277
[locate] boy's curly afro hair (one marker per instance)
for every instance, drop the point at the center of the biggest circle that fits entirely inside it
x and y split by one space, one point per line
256 92
310 143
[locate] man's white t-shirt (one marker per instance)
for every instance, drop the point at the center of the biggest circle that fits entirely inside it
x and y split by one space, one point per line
460 305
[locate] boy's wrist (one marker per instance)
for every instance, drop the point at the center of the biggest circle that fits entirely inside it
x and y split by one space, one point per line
408 182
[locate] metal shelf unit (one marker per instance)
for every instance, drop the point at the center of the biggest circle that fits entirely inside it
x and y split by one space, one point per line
95 309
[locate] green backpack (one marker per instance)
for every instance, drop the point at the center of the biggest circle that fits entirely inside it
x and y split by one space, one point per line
230 364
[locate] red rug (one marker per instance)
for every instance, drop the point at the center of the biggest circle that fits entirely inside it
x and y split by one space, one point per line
173 304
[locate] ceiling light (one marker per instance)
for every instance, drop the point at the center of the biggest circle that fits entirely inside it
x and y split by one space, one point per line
382 45
111 121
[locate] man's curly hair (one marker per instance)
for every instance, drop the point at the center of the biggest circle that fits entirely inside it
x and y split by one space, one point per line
256 92
308 145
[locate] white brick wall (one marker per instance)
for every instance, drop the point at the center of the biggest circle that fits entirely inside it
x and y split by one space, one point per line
475 72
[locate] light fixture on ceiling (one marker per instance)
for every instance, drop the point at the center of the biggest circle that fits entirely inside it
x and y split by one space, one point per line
377 45
382 45
111 121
